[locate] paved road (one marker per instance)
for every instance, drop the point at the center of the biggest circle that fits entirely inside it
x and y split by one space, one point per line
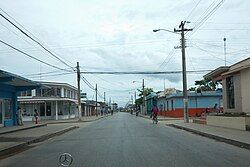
124 140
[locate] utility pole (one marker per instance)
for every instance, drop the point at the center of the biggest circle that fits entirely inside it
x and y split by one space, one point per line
96 111
135 101
184 72
132 99
79 91
143 98
225 53
104 97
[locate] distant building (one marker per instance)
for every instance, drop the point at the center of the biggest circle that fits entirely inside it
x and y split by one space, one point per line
52 101
172 104
151 100
88 107
10 85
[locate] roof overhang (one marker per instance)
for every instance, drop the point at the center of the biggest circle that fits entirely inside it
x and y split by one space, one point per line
216 75
18 82
43 99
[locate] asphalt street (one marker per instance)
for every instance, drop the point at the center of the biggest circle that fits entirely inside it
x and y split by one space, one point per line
124 140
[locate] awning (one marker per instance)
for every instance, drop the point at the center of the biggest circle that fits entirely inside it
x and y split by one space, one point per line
20 83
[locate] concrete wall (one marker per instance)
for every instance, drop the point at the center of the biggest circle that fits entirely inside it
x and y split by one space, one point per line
229 122
245 90
237 95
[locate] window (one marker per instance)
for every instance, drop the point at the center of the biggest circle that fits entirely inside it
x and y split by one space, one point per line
230 92
42 109
161 107
7 109
68 93
48 109
28 93
172 104
58 92
167 106
38 92
65 91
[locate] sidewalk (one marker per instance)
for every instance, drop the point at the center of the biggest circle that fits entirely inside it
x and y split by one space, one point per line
20 140
26 125
231 136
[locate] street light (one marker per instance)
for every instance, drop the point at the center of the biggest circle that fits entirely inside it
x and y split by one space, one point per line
156 30
184 74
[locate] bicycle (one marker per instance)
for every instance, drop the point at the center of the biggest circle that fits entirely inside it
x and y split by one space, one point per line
155 119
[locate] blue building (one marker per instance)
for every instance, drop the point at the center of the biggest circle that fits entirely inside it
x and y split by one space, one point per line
172 105
150 102
10 85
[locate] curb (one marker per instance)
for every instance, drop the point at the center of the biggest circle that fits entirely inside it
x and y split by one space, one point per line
30 127
160 119
211 136
77 121
22 146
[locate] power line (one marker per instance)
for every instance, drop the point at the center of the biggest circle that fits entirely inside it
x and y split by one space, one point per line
34 39
52 75
43 73
87 83
31 56
193 9
207 14
204 50
140 72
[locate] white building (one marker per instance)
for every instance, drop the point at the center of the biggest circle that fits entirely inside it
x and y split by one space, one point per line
52 101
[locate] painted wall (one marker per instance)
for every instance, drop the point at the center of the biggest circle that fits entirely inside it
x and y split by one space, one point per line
245 90
197 105
9 93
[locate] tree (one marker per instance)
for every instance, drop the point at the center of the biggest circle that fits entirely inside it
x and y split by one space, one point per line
192 89
205 85
147 91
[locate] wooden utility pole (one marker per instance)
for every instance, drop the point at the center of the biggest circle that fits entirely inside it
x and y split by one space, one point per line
96 111
79 91
184 72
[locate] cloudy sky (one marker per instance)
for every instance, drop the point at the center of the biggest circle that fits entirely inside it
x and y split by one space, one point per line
116 35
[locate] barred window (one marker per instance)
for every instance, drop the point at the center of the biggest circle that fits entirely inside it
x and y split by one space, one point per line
230 92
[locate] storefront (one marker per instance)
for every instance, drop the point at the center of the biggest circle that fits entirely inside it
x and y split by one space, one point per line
10 85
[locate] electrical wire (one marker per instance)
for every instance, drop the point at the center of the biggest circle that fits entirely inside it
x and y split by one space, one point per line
191 12
36 41
31 56
206 15
44 73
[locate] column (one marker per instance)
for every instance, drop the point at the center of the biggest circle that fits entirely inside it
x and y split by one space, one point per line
45 109
85 110
56 110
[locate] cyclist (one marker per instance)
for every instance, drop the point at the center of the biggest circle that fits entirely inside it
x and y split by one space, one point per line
155 111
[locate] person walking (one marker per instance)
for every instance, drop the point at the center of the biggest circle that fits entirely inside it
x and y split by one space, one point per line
19 116
36 116
216 109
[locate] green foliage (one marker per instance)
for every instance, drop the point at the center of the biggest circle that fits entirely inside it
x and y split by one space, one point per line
147 91
204 85
192 89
